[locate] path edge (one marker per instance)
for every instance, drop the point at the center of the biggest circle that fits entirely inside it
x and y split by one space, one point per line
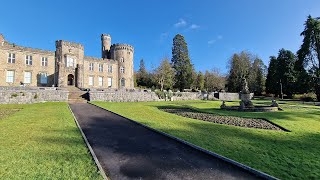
233 162
102 172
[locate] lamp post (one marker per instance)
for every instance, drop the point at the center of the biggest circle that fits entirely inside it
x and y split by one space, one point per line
281 89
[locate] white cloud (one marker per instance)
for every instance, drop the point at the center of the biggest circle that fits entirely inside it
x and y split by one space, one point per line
212 41
194 26
180 23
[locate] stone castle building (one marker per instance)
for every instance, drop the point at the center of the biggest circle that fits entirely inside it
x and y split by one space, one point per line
67 66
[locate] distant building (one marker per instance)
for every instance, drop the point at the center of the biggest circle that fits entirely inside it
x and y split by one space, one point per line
67 66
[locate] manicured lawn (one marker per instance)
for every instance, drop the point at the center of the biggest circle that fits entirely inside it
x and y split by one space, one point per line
286 155
42 141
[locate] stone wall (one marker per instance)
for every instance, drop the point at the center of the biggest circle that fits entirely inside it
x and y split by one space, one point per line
231 96
29 96
182 96
123 95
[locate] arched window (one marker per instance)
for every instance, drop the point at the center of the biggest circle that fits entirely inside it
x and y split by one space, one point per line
121 69
122 82
122 59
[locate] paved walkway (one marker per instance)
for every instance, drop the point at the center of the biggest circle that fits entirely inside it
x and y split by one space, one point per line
129 151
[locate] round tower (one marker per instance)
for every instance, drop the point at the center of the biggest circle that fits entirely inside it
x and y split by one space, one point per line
106 43
123 54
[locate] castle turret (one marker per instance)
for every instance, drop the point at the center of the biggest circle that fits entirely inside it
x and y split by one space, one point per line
106 43
123 53
1 40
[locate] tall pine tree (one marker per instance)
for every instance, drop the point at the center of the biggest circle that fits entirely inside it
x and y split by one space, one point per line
272 82
181 63
309 53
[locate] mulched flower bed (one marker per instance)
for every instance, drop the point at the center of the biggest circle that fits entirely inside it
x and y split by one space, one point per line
229 120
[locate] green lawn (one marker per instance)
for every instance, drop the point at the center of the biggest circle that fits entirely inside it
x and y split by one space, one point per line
286 155
42 141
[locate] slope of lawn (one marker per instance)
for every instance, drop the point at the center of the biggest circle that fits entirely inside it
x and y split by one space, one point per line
286 155
42 141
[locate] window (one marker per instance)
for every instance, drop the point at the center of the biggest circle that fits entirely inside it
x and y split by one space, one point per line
69 62
100 81
90 80
27 77
123 82
122 59
109 82
10 76
122 69
11 58
28 60
44 61
100 67
43 78
128 52
110 69
91 66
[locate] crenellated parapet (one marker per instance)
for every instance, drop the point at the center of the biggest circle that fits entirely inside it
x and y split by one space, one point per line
116 47
13 47
60 43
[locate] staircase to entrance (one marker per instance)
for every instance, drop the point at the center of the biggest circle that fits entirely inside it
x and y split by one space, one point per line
77 96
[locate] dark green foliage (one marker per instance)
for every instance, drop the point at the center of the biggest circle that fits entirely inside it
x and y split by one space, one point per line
309 53
142 77
272 82
200 81
181 63
239 68
256 76
286 73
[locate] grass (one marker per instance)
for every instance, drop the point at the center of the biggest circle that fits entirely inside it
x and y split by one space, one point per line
286 155
42 141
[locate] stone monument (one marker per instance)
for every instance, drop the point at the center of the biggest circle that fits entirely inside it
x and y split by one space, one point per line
245 96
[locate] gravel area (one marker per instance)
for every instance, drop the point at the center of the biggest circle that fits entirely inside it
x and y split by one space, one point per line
229 120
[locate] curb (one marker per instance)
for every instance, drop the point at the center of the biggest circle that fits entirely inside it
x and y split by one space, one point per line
102 172
240 165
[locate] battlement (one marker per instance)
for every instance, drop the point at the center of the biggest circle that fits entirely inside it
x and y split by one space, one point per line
122 47
14 47
90 58
60 43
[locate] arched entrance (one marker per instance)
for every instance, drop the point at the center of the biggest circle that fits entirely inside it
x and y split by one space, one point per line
70 80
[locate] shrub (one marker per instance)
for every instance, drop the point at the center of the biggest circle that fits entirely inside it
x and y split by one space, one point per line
306 97
35 96
14 95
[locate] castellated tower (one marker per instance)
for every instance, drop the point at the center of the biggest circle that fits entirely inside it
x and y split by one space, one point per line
123 54
69 63
106 43
1 40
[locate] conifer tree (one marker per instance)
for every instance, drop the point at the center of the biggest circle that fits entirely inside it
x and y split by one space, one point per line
181 63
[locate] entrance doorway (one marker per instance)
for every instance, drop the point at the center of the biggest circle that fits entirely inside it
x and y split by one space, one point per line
70 80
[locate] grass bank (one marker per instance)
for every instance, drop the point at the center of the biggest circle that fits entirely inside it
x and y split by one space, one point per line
42 141
286 155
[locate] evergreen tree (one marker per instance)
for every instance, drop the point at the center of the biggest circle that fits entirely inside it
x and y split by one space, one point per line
181 63
239 68
309 52
285 70
272 86
256 76
143 78
200 81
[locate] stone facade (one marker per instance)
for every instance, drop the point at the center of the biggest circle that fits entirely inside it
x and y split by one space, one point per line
67 66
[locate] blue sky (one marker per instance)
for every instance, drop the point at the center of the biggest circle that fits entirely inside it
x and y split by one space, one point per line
213 29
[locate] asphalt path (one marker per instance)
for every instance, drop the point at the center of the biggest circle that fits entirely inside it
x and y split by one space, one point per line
127 150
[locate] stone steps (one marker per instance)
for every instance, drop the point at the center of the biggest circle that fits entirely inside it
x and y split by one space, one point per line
76 95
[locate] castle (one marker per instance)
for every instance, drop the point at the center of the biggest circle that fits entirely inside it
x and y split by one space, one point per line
67 66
